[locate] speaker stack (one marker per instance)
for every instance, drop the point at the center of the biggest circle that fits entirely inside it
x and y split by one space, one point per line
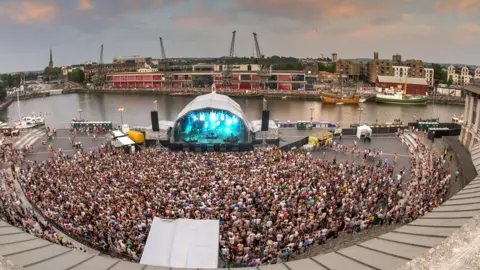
265 119
154 118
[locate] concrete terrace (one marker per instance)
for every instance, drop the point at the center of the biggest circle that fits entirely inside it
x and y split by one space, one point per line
389 251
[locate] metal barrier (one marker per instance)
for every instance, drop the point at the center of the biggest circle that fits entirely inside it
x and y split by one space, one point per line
296 144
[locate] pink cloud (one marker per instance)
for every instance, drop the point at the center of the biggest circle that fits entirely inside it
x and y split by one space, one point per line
460 6
26 11
85 4
318 10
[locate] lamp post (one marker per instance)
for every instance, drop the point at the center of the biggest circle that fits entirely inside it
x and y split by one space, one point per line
311 115
121 114
80 113
360 110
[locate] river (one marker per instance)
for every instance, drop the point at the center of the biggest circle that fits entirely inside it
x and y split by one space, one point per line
60 109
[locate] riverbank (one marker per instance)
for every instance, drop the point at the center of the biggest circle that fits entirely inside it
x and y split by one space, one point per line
12 98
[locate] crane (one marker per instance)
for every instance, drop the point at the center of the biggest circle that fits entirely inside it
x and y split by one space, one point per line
265 67
99 78
227 73
167 71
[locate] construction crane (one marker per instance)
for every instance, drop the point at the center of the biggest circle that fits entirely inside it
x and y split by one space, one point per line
99 78
167 70
265 66
229 61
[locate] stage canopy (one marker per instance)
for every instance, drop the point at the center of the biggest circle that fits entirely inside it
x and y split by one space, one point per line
212 119
182 243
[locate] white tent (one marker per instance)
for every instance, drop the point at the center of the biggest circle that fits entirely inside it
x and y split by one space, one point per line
272 133
182 243
363 130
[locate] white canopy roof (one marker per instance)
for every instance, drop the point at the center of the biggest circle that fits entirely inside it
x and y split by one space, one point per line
217 102
257 125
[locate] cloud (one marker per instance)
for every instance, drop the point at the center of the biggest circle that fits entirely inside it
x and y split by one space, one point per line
408 17
28 12
85 4
465 33
201 15
460 6
318 10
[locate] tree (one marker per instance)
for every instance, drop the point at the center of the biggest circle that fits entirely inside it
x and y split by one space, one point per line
3 91
77 75
450 80
439 74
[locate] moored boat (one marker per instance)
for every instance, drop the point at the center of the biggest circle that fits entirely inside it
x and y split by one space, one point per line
331 98
399 98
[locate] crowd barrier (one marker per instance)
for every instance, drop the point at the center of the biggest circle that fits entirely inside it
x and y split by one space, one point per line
296 144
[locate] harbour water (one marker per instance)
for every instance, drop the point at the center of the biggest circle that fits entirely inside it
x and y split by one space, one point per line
60 109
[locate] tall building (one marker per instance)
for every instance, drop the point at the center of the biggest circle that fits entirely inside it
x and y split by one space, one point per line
378 67
50 64
396 58
470 134
334 57
429 75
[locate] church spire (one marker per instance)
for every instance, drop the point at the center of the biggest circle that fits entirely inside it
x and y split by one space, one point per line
50 64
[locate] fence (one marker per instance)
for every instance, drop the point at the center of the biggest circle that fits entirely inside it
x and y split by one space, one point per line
296 144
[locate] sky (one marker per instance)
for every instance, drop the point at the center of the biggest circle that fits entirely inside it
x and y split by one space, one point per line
444 31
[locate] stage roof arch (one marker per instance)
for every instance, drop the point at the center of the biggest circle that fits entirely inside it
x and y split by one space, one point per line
216 102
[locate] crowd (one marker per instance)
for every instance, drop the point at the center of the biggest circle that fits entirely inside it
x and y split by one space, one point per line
13 211
270 204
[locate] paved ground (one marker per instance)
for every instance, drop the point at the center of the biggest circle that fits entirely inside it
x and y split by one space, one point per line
390 145
61 141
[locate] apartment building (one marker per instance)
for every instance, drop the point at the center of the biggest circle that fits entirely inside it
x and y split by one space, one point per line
400 71
460 75
379 67
348 67
430 76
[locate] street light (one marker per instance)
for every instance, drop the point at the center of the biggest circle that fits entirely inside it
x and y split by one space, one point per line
80 113
121 114
311 115
360 110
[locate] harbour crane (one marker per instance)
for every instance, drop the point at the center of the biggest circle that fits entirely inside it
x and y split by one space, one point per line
229 61
167 70
265 66
99 78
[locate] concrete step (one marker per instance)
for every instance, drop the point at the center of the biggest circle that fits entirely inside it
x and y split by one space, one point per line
305 264
446 215
334 261
401 250
455 223
414 240
373 258
426 231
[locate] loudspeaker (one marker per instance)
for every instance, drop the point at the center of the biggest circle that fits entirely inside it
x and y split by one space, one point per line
265 119
154 117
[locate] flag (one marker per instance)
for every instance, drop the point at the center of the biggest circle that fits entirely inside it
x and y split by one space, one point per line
264 104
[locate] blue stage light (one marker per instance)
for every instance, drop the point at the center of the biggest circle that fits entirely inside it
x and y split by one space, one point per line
235 120
202 117
222 116
227 130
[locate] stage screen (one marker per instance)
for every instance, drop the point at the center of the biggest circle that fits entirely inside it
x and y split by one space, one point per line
182 243
210 126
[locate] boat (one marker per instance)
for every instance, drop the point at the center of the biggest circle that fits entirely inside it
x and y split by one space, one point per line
340 98
362 100
28 121
334 98
400 97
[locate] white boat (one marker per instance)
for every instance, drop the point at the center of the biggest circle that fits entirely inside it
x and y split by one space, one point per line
362 100
31 121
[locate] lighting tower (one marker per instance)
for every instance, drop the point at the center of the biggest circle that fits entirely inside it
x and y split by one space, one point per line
229 61
167 71
265 67
99 79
